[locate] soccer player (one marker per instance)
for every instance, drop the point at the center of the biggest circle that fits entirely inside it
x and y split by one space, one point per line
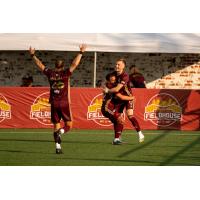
136 78
111 107
59 93
123 84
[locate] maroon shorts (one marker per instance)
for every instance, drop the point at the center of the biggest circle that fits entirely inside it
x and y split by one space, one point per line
111 110
60 110
127 104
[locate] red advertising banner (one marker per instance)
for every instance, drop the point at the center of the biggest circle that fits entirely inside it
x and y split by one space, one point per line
155 109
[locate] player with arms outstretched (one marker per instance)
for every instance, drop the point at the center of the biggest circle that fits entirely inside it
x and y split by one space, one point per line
59 80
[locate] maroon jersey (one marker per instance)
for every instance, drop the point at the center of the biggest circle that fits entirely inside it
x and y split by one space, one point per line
59 84
125 90
137 79
124 80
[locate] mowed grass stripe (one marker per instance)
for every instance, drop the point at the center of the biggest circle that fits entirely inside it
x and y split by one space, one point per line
94 148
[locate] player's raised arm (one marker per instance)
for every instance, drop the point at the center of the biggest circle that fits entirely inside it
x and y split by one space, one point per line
36 60
77 60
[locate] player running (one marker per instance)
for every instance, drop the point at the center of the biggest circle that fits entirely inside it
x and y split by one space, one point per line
111 107
123 85
59 80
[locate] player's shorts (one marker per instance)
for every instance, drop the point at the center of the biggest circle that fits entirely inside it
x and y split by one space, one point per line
110 110
60 110
128 105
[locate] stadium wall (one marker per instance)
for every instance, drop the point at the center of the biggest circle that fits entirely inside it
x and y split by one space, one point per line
22 107
161 70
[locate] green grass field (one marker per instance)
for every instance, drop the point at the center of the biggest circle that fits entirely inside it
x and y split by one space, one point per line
35 147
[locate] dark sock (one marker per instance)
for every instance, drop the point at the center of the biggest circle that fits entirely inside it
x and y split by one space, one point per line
118 129
66 128
135 123
57 139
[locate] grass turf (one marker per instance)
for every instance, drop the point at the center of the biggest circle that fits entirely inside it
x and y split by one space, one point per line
35 147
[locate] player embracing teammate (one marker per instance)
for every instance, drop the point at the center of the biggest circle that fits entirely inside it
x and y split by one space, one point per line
122 86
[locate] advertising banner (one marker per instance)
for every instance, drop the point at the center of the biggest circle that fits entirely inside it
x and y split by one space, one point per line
22 107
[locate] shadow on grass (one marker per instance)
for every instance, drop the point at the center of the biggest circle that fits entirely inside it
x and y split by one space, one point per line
152 163
178 153
19 151
51 141
145 144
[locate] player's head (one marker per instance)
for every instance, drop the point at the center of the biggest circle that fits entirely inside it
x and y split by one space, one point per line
59 65
133 69
111 78
120 65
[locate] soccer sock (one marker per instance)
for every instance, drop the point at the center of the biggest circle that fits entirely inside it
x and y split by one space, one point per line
140 134
66 128
135 123
57 138
118 129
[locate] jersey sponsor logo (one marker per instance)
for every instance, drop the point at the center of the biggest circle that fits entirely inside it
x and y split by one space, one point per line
41 109
5 108
163 110
58 85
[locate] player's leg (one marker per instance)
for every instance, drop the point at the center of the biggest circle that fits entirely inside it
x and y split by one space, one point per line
108 110
67 127
55 118
66 116
118 128
57 137
133 120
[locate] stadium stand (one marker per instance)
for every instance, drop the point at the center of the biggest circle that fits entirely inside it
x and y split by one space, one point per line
161 70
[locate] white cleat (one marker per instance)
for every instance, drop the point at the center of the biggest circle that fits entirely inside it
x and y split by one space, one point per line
141 138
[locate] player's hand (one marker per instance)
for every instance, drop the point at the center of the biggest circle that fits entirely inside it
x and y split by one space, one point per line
31 50
133 99
83 47
105 90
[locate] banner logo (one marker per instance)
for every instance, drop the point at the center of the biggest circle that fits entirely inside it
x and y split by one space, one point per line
94 112
163 110
5 108
41 109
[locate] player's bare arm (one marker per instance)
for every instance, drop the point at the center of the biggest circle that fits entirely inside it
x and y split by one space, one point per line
124 98
36 60
113 90
77 60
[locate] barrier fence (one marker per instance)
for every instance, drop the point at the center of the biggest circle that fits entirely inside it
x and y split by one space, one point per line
22 107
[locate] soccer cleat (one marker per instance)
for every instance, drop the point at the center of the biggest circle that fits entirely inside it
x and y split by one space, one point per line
59 151
141 138
117 142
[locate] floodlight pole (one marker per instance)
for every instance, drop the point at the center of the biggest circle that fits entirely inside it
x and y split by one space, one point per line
95 70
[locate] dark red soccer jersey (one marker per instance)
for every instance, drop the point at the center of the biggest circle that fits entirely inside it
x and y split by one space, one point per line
124 80
59 84
137 79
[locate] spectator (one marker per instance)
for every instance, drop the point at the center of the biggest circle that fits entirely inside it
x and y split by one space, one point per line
99 83
136 78
27 81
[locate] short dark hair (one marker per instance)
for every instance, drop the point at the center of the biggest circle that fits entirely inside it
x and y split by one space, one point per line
132 66
110 75
122 60
59 63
